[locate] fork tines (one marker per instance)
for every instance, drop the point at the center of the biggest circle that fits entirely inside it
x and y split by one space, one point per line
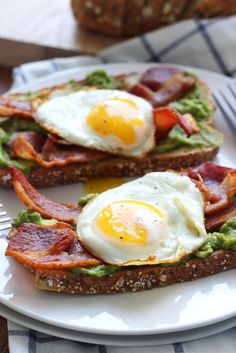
5 221
226 101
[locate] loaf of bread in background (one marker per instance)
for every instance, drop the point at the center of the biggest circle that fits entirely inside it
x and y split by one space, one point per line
127 18
210 8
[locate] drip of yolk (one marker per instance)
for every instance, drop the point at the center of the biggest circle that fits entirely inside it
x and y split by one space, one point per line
97 186
116 117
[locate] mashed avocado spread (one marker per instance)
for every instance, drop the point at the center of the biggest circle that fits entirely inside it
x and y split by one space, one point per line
28 216
195 103
177 139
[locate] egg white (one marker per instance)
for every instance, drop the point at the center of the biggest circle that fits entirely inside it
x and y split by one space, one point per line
67 115
181 231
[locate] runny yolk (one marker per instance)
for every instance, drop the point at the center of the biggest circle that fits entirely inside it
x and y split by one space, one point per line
102 184
117 117
122 221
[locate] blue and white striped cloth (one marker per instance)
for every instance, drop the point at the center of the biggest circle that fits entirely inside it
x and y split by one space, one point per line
208 44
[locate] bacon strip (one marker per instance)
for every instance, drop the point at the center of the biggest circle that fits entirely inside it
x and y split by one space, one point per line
164 87
225 191
141 91
34 139
12 108
172 90
155 77
39 203
214 221
211 174
218 184
40 247
52 153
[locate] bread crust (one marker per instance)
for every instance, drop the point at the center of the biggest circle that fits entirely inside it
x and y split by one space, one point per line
114 167
136 279
120 18
209 8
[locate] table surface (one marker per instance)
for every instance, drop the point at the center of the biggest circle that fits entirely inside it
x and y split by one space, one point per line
53 31
3 336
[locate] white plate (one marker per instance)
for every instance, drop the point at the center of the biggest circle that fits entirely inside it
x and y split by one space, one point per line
116 340
166 310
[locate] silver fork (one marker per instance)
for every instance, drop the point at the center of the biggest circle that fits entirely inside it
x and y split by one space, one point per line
226 101
5 221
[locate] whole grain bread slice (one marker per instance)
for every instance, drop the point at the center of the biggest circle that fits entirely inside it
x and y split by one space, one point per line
114 167
135 279
117 166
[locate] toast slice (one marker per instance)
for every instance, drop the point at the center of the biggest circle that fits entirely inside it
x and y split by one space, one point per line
44 240
114 167
135 279
177 156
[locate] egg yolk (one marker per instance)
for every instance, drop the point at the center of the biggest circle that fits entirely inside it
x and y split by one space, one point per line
128 221
117 117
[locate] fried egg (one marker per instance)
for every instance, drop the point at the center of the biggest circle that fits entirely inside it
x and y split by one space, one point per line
108 120
158 218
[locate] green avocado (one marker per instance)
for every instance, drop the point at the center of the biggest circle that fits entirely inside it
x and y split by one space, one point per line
28 216
10 126
97 271
199 108
101 79
85 199
225 239
195 103
177 139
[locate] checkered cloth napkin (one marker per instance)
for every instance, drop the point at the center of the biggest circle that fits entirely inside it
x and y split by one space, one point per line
208 44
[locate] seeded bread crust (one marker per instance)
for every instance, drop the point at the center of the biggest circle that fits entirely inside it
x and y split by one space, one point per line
135 279
114 167
209 8
121 18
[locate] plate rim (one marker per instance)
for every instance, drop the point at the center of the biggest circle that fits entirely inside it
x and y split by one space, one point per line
89 68
115 340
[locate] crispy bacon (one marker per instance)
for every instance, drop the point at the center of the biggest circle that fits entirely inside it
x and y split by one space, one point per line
39 247
142 91
51 153
154 78
172 90
39 203
218 185
16 104
225 191
214 221
8 112
35 139
11 108
160 86
211 174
